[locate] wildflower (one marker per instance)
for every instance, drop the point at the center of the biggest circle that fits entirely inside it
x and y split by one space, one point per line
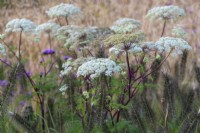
96 67
67 57
86 94
134 49
3 83
179 32
166 13
121 40
48 52
166 44
2 49
49 27
148 46
75 36
2 36
125 25
18 25
71 65
63 10
22 103
63 89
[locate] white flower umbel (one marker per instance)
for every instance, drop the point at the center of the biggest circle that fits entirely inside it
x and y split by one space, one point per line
75 36
63 89
96 67
148 46
133 49
166 13
17 25
166 44
179 32
49 27
125 25
2 49
67 67
63 10
71 65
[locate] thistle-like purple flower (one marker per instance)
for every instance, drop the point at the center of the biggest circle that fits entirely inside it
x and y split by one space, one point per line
3 83
48 52
22 103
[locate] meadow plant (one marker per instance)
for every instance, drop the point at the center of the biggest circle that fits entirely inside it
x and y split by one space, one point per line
99 94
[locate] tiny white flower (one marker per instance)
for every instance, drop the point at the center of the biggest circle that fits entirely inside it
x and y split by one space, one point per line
63 89
2 36
2 49
86 94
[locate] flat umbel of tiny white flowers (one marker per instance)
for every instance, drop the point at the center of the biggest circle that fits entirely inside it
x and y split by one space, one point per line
133 49
63 10
96 67
125 25
71 66
75 36
166 44
166 13
18 25
49 27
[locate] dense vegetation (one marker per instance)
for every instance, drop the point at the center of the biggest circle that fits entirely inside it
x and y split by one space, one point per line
110 79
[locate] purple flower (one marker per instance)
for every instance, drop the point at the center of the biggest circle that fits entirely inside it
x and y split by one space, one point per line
28 73
28 94
3 83
66 57
48 51
41 73
79 49
22 103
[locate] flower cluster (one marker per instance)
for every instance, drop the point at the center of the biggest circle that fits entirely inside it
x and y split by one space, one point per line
166 44
166 13
75 36
72 65
48 52
49 27
119 40
148 46
2 49
125 25
63 89
96 67
17 25
86 94
134 49
63 10
179 32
